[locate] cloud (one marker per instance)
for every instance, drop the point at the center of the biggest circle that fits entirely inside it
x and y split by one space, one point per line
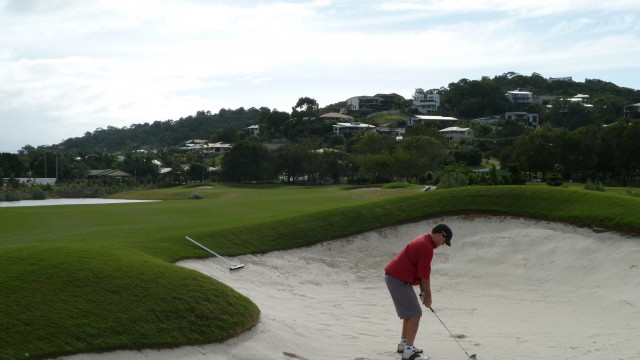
70 66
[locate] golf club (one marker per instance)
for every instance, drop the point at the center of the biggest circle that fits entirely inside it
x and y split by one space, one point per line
232 266
454 338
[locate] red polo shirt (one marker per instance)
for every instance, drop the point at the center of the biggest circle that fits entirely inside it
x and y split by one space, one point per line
414 261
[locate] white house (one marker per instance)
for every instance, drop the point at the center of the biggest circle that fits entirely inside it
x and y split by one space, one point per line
520 97
208 149
454 134
397 133
350 128
445 121
426 103
253 130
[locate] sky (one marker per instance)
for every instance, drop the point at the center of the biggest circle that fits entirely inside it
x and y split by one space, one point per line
68 67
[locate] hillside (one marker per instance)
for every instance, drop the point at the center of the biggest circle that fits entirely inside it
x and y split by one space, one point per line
464 99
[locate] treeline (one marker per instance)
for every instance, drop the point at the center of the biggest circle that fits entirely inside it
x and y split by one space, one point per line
465 99
574 141
468 99
163 134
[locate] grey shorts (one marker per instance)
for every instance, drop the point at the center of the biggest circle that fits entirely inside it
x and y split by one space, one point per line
404 298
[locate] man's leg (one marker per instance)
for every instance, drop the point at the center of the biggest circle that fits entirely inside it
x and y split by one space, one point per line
410 329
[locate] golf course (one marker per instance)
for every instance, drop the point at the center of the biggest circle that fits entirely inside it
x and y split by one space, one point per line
97 278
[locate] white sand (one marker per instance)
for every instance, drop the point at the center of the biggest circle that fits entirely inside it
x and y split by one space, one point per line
508 289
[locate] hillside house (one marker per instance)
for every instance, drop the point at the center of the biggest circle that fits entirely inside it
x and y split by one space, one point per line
520 97
489 120
107 174
207 150
455 134
543 100
631 111
253 130
528 119
364 103
440 121
351 128
391 101
426 103
397 133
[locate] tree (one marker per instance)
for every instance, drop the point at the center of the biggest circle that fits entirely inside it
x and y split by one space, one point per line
290 159
139 164
376 167
11 165
247 161
272 123
334 165
539 151
373 143
305 109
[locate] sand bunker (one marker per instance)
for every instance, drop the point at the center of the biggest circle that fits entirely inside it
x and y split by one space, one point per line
508 289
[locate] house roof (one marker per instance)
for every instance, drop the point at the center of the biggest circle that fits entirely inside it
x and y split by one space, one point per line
108 172
454 129
355 125
206 146
335 115
435 118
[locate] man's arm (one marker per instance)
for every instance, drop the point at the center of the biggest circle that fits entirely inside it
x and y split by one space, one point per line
425 288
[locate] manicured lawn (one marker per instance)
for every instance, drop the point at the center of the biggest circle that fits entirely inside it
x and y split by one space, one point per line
101 277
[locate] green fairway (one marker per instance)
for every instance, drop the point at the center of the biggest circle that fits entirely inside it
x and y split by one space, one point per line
101 277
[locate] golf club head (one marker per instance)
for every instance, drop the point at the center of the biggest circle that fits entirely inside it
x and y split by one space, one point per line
472 356
236 267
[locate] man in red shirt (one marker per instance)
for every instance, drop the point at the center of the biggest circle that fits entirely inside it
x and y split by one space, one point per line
411 267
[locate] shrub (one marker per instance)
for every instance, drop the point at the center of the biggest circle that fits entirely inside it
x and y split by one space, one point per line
11 196
453 179
554 179
595 186
631 192
195 196
38 195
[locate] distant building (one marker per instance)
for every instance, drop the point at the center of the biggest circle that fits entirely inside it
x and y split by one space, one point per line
520 97
426 103
489 120
253 130
566 78
581 97
632 110
441 121
543 100
351 128
31 181
207 150
368 104
397 133
454 134
528 119
107 174
364 103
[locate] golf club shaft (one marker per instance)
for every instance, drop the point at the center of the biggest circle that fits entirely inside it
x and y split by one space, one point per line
454 338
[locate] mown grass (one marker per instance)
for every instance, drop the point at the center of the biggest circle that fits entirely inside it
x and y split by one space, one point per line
101 277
